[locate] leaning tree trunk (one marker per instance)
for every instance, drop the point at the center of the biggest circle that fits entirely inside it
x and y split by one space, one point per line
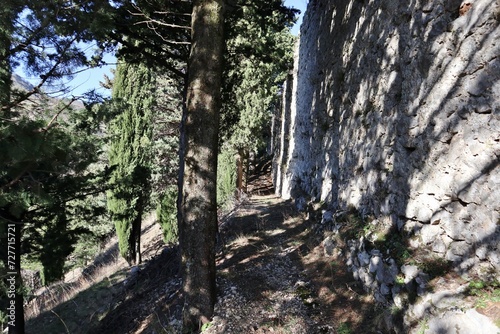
198 206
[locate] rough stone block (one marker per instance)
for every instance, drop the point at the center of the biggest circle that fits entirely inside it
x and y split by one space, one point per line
410 272
412 122
429 233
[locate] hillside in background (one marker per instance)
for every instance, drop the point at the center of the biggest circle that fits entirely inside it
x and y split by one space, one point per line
19 83
276 274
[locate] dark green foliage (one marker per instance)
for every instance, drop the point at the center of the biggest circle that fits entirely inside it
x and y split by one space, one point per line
94 219
226 176
152 32
43 174
55 249
44 155
130 155
166 124
259 54
7 14
167 216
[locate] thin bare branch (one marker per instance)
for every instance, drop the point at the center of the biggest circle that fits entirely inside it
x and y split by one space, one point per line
172 13
164 24
154 29
44 78
150 19
54 118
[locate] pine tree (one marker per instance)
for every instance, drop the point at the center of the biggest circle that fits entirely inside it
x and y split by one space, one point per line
197 202
43 172
130 155
43 165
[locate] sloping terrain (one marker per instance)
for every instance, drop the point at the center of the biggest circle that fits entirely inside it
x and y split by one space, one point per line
275 275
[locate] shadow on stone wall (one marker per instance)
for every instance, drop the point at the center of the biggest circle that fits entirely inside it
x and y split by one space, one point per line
395 112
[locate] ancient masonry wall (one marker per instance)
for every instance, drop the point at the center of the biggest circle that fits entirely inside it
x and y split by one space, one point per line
393 108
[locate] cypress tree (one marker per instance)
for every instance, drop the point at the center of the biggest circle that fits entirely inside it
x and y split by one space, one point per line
259 50
167 117
130 155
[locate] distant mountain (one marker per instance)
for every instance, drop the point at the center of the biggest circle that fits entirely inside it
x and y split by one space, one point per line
21 83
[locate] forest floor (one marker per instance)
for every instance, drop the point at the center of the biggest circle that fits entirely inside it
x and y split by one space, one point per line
273 277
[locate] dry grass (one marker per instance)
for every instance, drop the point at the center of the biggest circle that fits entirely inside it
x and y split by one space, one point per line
85 296
56 294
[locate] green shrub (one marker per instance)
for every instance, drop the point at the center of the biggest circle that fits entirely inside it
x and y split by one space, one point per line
344 328
226 176
167 215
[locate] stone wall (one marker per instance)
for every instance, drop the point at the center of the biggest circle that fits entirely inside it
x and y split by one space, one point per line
393 108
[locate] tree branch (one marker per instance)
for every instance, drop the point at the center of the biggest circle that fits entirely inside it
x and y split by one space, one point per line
54 118
17 178
45 77
180 74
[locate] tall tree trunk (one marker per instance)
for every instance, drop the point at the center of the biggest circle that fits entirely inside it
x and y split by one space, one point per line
10 226
198 206
136 231
18 326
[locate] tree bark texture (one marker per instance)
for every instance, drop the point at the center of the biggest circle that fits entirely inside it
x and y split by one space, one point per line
198 205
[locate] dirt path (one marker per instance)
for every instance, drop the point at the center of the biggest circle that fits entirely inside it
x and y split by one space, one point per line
258 281
273 276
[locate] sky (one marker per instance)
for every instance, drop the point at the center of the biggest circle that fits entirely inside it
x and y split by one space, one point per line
88 80
301 5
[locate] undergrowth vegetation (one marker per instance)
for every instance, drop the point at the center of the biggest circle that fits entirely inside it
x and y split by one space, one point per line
485 292
226 177
390 241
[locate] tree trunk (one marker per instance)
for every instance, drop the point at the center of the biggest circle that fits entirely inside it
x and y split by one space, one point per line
198 206
242 171
11 240
239 178
245 170
135 241
10 226
18 327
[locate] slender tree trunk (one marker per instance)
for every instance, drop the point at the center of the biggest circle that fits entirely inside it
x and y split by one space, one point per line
246 167
18 328
136 230
135 241
198 206
11 240
239 179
